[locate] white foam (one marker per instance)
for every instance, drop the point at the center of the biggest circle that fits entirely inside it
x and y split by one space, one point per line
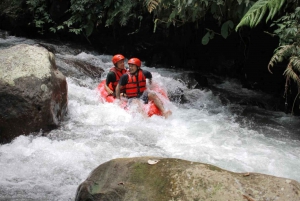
202 130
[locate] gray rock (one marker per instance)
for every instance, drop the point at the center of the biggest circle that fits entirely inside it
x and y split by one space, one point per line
33 92
84 67
134 179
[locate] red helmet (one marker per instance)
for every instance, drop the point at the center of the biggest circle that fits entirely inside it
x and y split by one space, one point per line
135 61
117 58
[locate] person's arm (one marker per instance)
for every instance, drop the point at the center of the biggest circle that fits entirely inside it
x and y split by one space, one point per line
148 75
109 91
118 91
111 77
123 81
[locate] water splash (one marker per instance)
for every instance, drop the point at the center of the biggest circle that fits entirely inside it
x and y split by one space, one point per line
203 129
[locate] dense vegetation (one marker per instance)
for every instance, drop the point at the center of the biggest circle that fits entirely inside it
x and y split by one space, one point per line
288 32
86 17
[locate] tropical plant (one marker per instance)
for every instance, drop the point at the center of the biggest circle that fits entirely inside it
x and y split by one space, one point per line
258 11
11 7
39 11
179 12
80 20
86 15
288 31
122 12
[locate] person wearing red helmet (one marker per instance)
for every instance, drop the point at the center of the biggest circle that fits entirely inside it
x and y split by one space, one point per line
134 83
115 74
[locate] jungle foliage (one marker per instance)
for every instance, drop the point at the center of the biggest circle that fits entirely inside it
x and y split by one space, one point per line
86 15
11 8
288 32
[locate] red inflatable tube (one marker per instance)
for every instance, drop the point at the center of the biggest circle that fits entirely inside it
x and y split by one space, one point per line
150 107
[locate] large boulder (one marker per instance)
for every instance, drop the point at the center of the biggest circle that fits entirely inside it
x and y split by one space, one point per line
33 92
155 179
83 67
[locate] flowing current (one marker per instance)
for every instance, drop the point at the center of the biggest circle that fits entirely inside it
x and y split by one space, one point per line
235 137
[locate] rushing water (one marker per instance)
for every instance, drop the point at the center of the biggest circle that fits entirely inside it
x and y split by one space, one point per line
235 137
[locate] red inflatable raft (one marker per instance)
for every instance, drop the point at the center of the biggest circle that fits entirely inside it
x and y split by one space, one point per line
150 108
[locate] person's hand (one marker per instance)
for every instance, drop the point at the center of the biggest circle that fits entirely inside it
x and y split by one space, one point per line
110 92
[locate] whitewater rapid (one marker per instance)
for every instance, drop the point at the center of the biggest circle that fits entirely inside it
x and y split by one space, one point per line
50 166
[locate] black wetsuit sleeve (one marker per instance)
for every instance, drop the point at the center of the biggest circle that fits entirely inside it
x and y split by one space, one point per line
147 74
123 80
111 77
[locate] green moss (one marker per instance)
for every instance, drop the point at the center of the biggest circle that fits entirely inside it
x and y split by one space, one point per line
94 189
152 177
139 173
217 188
214 168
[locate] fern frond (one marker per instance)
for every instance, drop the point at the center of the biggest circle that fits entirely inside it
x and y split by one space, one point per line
295 61
152 4
290 73
270 13
281 53
258 10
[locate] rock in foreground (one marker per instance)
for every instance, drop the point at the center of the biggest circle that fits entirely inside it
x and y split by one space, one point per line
134 179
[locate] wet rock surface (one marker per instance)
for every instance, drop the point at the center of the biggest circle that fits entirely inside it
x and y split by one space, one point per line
174 179
33 91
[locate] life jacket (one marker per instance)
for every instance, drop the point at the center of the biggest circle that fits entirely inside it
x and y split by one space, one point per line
136 85
118 74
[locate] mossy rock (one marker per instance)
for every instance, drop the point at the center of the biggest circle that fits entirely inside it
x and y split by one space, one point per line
134 179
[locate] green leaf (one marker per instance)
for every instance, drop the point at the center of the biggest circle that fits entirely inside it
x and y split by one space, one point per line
226 28
60 27
76 31
206 38
213 8
52 29
258 10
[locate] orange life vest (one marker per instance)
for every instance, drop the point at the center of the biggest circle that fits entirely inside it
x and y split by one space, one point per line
118 74
136 85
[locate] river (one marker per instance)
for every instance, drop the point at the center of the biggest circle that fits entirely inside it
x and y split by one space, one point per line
239 138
